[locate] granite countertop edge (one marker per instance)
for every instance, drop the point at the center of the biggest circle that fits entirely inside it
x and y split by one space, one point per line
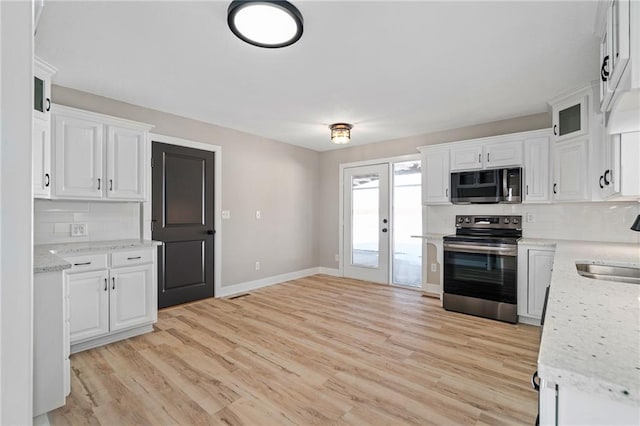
591 337
49 257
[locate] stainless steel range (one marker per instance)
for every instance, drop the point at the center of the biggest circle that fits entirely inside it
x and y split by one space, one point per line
480 266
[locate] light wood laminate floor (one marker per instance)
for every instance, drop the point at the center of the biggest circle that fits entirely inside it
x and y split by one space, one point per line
318 350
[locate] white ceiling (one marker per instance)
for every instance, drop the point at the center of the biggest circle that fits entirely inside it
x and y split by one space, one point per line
391 68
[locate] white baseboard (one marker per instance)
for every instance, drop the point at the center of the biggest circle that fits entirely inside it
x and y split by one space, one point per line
110 338
41 420
528 320
265 282
329 271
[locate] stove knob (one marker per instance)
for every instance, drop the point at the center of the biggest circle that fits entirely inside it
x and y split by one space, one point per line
460 219
506 220
515 221
467 220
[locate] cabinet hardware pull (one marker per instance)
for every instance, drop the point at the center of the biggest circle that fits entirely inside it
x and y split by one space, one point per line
134 258
555 185
47 180
488 154
99 183
81 264
106 286
604 73
48 105
110 184
384 229
555 126
534 382
600 182
446 192
479 158
113 280
527 189
607 181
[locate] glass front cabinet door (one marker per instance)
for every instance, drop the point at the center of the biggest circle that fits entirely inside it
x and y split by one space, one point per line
570 118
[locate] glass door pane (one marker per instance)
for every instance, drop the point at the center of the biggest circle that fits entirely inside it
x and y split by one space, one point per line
365 216
570 120
407 221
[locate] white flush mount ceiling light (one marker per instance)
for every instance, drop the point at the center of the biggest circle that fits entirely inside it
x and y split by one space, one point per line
341 133
269 24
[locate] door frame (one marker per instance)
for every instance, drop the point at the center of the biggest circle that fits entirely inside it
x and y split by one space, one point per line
389 161
217 199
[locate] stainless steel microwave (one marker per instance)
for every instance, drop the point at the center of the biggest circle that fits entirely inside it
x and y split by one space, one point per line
487 186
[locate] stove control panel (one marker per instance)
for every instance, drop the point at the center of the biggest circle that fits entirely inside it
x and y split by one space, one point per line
489 222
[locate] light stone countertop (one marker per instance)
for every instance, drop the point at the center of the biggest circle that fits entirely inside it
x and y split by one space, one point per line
49 257
591 337
430 236
537 242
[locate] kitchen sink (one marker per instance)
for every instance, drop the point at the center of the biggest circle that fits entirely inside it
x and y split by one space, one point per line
609 272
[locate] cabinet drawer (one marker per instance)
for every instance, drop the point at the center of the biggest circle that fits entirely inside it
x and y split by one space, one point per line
89 262
131 257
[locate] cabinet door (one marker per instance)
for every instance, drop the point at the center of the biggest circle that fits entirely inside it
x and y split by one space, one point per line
125 163
133 300
78 154
570 165
435 175
539 277
536 170
503 154
570 118
88 304
41 156
468 157
619 36
41 92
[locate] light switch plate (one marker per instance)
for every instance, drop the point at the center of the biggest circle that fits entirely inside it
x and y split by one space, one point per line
226 214
258 214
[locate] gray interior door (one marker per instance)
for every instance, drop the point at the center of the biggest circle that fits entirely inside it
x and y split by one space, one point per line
182 214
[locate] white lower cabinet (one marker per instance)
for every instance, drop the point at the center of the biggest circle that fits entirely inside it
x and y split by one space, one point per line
567 405
112 303
535 264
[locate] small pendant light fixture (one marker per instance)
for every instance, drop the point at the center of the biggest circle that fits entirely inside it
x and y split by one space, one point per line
265 23
341 133
636 224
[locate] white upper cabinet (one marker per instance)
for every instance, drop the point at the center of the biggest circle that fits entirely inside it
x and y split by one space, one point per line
503 154
536 170
41 155
620 173
125 163
486 154
435 175
570 170
97 156
42 73
570 117
78 157
617 23
467 157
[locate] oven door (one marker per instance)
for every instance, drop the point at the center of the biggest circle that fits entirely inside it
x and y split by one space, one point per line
481 270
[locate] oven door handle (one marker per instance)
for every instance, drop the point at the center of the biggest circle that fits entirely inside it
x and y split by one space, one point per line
471 248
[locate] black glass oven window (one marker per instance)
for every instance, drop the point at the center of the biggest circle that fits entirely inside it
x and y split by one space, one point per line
485 276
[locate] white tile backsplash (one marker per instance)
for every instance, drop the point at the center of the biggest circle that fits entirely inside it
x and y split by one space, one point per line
105 220
577 221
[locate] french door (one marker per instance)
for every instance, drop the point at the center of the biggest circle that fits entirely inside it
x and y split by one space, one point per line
366 223
382 213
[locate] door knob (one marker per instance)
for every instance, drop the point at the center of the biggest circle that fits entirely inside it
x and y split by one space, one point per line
384 229
211 231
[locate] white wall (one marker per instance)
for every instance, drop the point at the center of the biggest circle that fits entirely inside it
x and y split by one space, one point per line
579 221
104 220
16 267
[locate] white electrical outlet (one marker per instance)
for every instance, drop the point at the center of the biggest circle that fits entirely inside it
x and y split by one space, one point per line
531 217
79 230
257 266
434 267
226 214
258 214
